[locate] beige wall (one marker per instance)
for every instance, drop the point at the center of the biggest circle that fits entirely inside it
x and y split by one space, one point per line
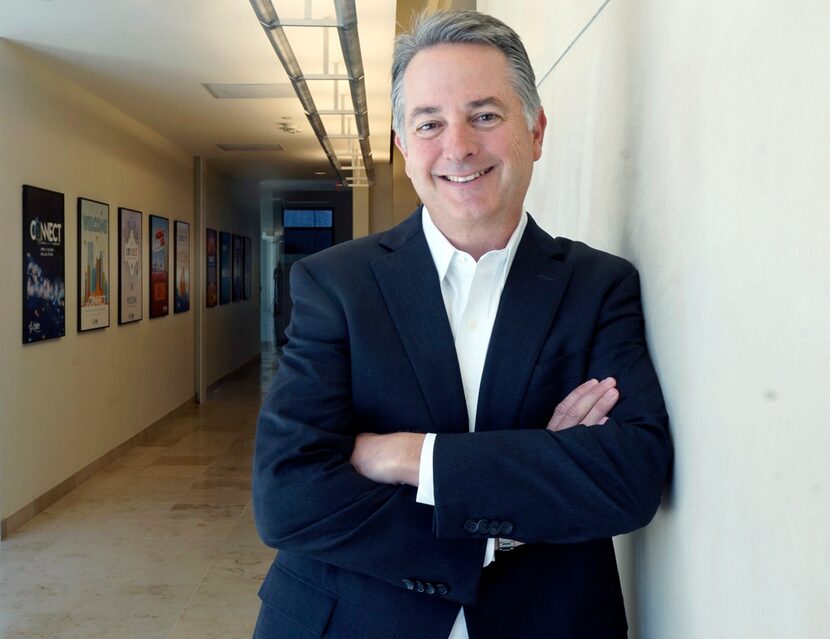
392 197
66 402
404 197
381 199
361 211
693 139
232 331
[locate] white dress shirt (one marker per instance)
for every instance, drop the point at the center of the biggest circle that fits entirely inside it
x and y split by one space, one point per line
471 292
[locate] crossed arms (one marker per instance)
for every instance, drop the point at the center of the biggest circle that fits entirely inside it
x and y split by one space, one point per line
314 457
396 458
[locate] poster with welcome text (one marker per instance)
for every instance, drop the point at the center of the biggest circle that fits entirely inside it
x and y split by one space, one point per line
93 265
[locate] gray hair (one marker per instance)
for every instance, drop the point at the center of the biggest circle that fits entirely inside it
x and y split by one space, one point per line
463 27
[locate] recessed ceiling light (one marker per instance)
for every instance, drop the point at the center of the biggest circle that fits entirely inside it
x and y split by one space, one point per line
319 173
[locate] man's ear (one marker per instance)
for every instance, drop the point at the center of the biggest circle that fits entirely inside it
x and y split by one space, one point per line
400 144
539 133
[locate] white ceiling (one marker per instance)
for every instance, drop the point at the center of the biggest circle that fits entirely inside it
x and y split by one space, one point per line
149 59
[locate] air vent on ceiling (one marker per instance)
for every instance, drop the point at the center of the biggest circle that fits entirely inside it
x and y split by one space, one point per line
250 147
250 90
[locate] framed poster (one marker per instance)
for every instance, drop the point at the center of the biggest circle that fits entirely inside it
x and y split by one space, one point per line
211 272
130 300
44 301
225 268
181 261
248 260
93 264
237 268
159 266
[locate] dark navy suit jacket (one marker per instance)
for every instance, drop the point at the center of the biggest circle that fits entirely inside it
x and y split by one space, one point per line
370 350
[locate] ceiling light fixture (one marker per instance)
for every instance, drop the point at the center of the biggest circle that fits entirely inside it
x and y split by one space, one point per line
346 25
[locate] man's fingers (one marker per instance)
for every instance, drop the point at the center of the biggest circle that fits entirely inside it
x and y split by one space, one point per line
601 409
586 404
562 410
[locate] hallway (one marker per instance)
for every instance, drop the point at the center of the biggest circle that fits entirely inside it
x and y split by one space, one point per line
159 544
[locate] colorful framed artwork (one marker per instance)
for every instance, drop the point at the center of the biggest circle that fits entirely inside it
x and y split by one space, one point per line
247 283
224 268
159 266
181 261
130 300
236 294
211 270
93 265
44 291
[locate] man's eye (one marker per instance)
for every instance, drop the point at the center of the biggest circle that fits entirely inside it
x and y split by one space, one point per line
426 127
487 117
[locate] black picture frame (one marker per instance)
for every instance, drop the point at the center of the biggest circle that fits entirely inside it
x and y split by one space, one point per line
130 265
236 271
247 258
211 268
224 267
159 265
44 265
93 265
181 266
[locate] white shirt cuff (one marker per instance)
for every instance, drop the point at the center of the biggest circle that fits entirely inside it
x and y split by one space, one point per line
490 552
426 486
426 491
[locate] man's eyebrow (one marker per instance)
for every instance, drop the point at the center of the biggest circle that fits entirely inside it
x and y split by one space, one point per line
488 101
423 110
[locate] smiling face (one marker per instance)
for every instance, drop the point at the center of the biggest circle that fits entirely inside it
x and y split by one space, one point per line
466 143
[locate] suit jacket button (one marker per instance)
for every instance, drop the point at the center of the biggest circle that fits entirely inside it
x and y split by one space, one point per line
506 528
471 526
419 586
494 529
441 589
408 584
483 526
429 588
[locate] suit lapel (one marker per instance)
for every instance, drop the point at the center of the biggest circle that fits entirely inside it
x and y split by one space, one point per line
409 284
531 297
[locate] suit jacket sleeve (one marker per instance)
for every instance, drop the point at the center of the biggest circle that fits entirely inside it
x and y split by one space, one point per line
578 484
306 495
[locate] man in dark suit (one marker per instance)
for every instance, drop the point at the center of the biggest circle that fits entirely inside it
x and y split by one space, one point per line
428 461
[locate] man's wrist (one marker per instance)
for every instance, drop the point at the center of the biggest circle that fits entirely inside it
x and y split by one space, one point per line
408 463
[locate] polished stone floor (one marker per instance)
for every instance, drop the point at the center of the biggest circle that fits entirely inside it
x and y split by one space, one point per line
160 544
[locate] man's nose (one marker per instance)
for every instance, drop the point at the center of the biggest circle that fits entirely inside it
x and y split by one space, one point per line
460 142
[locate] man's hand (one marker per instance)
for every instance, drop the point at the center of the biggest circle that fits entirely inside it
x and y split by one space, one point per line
396 458
588 404
388 459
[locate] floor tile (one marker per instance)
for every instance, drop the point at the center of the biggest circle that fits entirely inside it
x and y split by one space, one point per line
160 544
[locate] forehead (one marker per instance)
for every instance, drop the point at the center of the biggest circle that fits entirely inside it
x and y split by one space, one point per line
445 72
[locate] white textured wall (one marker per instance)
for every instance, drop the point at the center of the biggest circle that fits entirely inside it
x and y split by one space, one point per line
65 402
694 139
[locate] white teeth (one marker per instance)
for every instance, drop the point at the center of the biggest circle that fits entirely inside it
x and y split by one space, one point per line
468 178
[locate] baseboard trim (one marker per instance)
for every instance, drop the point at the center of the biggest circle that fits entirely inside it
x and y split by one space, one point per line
41 503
